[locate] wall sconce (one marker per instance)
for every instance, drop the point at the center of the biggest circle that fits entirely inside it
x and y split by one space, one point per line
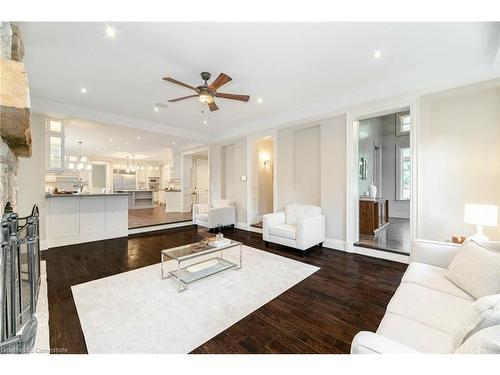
266 163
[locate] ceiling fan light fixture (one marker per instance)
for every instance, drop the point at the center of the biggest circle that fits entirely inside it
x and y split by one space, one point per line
206 98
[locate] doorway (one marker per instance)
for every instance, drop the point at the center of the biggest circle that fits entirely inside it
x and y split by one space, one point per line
384 182
195 179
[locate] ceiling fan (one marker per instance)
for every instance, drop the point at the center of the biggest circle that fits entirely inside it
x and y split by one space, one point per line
206 92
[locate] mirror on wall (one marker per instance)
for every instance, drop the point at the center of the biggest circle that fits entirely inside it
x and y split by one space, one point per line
363 168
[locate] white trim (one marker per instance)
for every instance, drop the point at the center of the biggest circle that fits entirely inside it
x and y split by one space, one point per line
43 245
159 227
352 123
332 243
243 226
65 241
378 254
334 106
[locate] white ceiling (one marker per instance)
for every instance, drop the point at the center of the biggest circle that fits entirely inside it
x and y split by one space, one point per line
119 142
291 66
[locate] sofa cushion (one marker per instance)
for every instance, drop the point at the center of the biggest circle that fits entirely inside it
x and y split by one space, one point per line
484 313
476 269
201 217
430 307
296 212
413 334
434 278
486 341
284 230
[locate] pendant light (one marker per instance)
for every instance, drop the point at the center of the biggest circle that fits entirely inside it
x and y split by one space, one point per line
82 163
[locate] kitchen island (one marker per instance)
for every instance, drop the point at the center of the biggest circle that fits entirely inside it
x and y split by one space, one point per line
139 198
77 218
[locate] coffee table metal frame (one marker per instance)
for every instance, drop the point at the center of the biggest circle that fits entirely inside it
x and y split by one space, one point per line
168 254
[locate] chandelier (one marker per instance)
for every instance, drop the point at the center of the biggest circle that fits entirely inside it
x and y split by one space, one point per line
81 163
131 166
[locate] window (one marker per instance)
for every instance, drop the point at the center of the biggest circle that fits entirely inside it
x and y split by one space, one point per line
54 131
403 123
403 180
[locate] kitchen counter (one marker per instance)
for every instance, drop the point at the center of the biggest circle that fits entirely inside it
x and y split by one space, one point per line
171 191
85 217
83 195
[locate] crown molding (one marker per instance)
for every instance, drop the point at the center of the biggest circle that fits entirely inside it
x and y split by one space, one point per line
48 107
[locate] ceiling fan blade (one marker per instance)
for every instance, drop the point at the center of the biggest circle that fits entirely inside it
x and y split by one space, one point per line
242 98
220 81
179 83
182 98
213 107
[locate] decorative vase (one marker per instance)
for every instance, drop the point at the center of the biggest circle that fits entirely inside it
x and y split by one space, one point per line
373 190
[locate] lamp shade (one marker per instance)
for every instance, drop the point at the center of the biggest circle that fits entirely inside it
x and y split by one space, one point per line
481 214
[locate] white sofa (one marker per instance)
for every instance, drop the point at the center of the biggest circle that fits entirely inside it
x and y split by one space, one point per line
299 226
426 309
221 212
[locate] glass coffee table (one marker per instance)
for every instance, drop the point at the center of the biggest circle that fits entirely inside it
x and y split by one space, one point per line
197 268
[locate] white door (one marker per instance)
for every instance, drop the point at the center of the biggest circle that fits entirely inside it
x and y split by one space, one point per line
202 180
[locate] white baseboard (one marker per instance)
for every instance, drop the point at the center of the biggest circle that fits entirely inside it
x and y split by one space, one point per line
332 243
378 253
159 227
43 245
74 240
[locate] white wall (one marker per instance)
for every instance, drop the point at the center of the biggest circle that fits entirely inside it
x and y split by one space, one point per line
397 208
459 158
307 166
31 177
334 177
228 177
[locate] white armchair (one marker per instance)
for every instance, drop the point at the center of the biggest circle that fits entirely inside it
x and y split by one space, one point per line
221 212
299 226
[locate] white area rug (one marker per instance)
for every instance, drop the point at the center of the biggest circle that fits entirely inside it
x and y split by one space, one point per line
137 312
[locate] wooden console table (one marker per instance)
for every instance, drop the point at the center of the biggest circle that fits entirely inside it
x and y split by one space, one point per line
373 215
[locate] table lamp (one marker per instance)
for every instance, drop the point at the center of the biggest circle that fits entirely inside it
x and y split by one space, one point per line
481 215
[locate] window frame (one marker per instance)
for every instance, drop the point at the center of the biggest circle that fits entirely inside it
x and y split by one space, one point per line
399 124
57 134
399 173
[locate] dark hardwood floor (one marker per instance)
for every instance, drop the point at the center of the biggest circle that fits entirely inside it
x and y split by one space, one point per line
146 217
321 314
395 237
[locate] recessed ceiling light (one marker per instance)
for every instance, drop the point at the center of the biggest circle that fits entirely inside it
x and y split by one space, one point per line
205 122
138 138
111 139
377 54
157 109
97 148
126 143
110 32
173 143
259 100
83 90
119 148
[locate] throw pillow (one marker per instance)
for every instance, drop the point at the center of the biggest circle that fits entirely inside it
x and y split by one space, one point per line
486 341
476 270
484 313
